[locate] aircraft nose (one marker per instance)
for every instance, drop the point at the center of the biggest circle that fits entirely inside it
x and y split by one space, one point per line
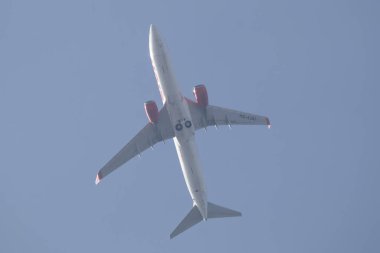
152 29
153 34
155 43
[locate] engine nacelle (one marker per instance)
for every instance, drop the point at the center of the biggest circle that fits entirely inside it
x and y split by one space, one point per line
151 111
200 94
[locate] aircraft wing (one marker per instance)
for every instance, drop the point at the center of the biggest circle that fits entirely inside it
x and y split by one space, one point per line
215 115
147 137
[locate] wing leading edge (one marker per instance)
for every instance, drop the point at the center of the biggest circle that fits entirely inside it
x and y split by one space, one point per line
147 137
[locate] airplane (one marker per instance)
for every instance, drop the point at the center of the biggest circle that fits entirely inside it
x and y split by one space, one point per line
178 119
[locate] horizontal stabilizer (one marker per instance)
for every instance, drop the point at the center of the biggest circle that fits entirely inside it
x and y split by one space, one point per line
192 218
215 211
195 216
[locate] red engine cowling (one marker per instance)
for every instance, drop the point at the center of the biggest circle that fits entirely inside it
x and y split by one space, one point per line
200 94
151 111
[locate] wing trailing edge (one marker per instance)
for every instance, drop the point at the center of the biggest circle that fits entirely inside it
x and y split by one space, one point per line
210 115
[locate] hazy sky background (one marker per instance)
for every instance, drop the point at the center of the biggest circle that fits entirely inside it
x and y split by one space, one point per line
73 79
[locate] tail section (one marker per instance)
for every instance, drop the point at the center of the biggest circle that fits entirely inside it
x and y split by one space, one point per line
194 217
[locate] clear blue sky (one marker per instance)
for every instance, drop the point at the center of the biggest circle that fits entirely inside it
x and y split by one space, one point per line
73 79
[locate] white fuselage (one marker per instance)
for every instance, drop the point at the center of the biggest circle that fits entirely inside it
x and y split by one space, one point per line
181 121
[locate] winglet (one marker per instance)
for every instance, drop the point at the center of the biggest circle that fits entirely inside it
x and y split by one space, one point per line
97 180
268 122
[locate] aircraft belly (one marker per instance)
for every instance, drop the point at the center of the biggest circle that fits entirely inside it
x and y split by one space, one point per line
180 118
166 81
188 158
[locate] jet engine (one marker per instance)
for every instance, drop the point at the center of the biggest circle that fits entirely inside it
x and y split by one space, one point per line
200 94
151 111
